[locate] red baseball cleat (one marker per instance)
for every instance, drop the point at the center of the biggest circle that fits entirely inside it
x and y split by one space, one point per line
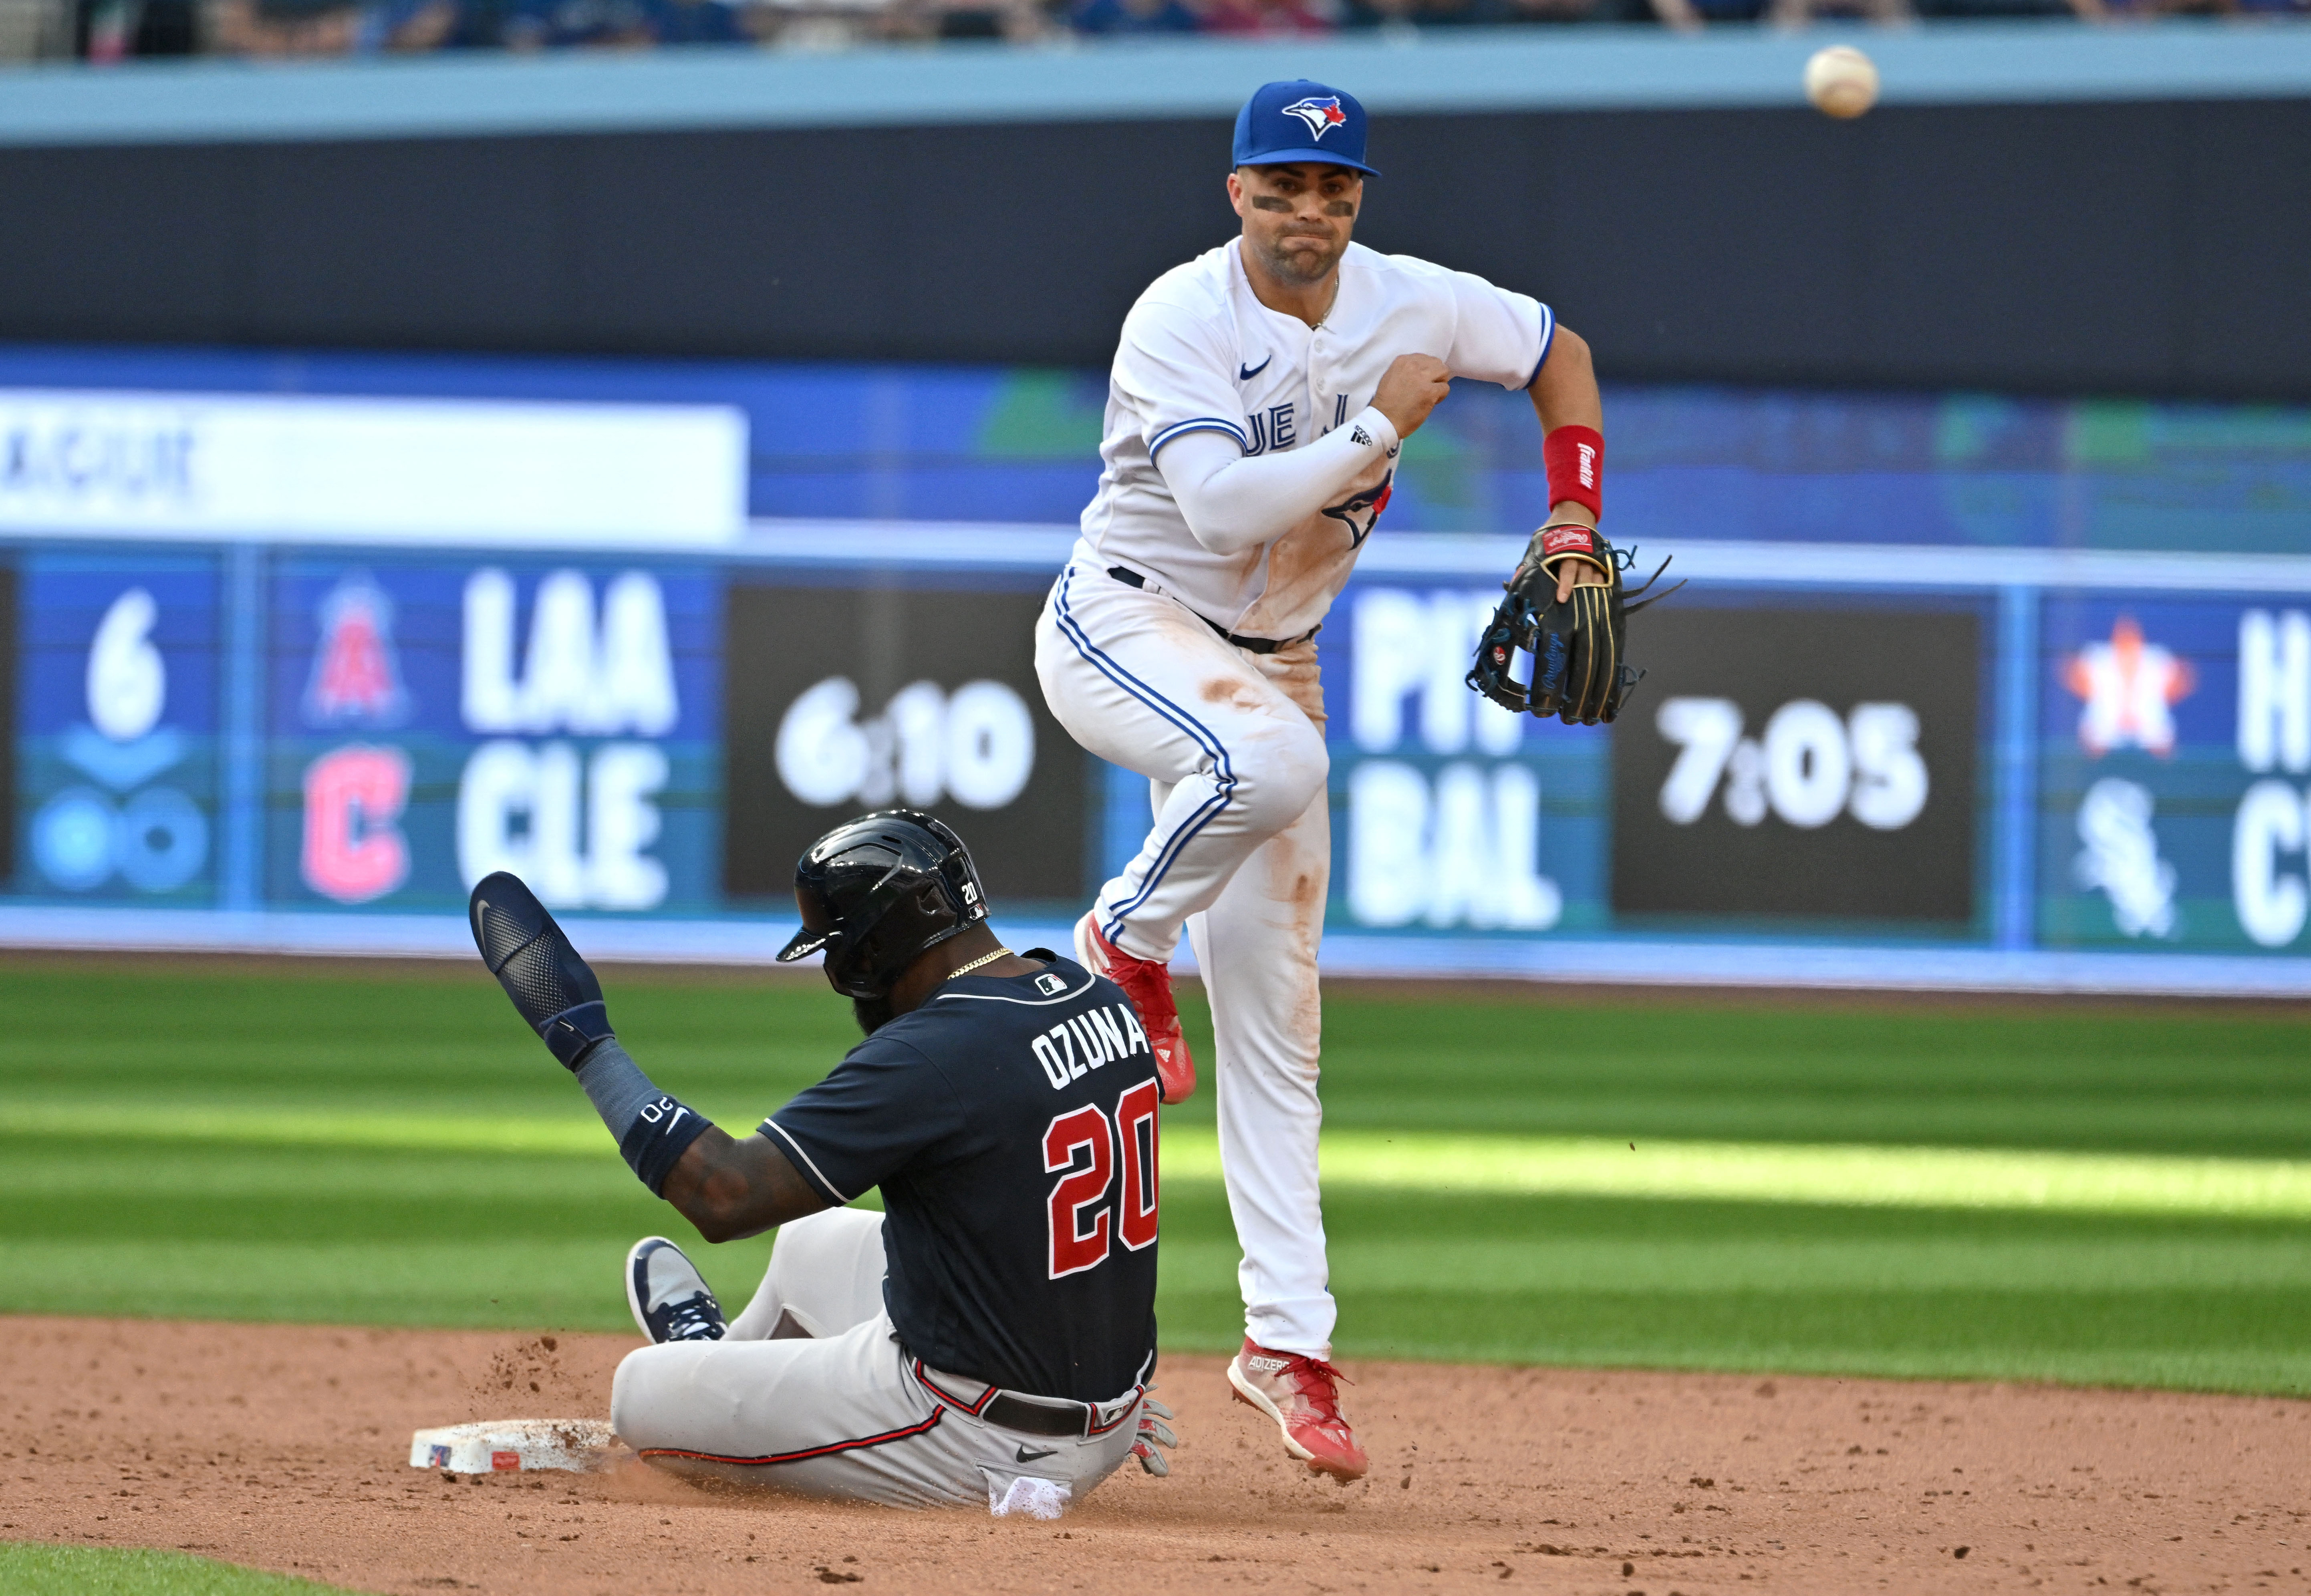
1148 985
1302 1395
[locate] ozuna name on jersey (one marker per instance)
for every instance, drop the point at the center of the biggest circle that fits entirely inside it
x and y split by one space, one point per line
1084 1042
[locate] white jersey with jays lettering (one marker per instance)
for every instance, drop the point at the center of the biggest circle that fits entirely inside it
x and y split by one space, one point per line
1200 353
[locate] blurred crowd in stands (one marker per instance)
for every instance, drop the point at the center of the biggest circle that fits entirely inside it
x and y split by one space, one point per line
102 31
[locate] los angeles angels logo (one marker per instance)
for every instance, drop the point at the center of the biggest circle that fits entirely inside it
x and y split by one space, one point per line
1360 512
356 678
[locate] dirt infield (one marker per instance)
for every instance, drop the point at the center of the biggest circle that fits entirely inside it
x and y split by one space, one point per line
285 1447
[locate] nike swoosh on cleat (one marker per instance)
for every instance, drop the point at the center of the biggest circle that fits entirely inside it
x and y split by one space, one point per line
1027 1456
1246 373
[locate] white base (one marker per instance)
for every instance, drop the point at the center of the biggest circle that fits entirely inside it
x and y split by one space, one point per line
499 1445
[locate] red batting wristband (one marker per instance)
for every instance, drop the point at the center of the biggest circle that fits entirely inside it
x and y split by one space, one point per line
1576 458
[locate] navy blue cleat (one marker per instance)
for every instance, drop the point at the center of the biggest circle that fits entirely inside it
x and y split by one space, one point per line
670 1298
550 986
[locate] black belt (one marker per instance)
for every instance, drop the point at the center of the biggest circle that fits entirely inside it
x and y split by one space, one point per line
1256 645
1008 1412
1031 1415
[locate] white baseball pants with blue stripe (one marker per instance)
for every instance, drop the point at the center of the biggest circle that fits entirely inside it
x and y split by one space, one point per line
1240 858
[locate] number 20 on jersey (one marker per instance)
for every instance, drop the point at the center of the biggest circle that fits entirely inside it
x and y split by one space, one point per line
1084 1148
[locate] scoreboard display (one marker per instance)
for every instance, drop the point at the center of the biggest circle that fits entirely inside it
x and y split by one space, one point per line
379 728
847 699
247 705
1802 764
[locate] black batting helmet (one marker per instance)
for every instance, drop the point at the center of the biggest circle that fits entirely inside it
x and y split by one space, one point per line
888 885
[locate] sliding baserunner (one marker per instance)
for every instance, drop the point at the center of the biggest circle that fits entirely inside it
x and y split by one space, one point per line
992 1335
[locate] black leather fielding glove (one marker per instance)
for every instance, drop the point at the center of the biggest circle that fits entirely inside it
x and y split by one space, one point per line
550 986
1580 669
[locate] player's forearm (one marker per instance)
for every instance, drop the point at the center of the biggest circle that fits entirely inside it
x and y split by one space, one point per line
732 1188
556 993
726 1187
1563 391
654 1130
1233 501
1565 394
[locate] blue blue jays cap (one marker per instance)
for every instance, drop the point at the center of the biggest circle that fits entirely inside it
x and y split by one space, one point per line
1298 120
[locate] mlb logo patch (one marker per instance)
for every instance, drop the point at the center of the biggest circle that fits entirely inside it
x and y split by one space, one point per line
1048 985
440 1456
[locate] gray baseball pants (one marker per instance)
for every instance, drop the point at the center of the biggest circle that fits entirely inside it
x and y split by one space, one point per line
812 1392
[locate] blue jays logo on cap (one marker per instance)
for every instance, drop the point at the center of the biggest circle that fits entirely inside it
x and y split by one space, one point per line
1322 113
1299 120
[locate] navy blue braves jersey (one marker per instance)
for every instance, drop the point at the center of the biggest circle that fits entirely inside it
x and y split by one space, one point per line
1011 1125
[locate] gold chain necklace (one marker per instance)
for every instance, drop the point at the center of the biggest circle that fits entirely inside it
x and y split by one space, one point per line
975 963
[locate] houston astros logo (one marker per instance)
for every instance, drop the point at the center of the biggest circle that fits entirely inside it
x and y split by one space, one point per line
1322 114
2130 687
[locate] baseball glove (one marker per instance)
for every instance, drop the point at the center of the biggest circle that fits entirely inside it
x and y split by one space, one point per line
1580 671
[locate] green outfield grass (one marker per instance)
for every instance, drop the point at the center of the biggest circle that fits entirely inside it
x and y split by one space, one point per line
2067 1193
29 1568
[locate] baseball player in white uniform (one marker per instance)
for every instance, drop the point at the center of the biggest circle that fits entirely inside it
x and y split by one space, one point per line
1259 398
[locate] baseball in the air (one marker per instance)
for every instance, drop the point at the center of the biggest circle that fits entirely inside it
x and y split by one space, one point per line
1841 82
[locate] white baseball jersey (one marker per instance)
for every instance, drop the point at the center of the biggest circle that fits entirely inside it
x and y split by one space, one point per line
1201 353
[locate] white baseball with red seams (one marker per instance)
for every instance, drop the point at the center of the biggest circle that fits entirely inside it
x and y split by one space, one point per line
1210 385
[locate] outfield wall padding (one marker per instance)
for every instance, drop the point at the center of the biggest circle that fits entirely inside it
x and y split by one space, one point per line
2151 247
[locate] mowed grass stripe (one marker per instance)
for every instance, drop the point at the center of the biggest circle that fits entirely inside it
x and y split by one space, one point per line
33 1568
1780 1173
315 1128
1413 1160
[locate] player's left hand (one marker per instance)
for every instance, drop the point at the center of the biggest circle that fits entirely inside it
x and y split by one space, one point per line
1583 572
552 987
1154 1433
1577 573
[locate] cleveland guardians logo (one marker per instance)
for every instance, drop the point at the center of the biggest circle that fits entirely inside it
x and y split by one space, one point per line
1321 114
